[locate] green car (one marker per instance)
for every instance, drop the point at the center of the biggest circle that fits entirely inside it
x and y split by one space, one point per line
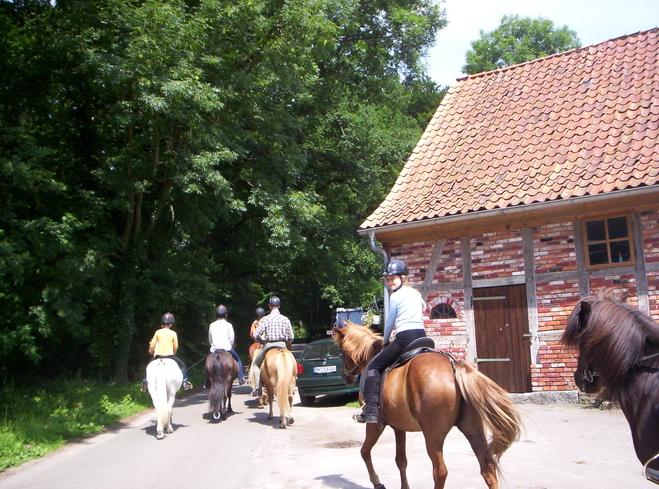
319 372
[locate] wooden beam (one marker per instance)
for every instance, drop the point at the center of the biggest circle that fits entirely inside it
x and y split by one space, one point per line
580 256
531 295
536 215
432 267
468 293
640 270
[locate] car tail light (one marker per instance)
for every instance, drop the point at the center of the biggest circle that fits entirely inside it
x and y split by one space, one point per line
300 369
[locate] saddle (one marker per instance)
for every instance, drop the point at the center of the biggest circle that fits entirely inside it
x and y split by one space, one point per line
420 345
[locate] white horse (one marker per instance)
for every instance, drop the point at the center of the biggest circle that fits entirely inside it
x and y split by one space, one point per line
164 379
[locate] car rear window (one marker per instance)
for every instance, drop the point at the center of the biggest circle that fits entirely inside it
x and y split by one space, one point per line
322 351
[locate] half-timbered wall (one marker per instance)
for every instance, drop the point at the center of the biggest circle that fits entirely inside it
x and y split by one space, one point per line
557 280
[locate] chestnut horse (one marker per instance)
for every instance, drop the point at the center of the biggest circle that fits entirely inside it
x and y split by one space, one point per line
619 360
432 393
278 376
221 371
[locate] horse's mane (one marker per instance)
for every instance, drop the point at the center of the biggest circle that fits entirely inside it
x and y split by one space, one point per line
358 341
610 335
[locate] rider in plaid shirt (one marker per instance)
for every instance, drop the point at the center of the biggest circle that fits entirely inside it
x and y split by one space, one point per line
278 334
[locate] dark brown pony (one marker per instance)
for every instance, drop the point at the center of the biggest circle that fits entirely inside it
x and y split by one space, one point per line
432 393
221 371
619 360
278 376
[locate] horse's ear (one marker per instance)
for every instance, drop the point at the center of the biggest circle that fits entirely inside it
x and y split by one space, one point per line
575 323
337 334
584 312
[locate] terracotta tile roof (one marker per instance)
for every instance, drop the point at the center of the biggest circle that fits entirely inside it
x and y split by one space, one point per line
583 122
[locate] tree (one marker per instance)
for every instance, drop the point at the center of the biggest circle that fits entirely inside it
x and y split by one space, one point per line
169 155
518 40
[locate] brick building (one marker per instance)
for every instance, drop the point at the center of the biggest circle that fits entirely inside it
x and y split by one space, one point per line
532 186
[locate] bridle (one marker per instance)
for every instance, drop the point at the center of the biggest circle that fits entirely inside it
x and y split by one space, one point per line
352 371
588 376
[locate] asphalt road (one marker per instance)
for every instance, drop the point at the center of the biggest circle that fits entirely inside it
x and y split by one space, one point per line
563 446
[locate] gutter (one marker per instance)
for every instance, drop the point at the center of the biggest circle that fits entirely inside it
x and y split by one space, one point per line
637 192
385 260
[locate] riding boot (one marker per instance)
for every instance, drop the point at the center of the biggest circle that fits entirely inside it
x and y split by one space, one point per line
144 387
371 410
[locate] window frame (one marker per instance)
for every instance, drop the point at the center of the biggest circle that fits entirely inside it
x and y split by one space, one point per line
608 241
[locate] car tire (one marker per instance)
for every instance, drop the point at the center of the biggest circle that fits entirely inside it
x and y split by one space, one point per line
307 400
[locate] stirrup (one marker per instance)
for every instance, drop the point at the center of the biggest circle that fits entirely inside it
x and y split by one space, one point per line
187 385
366 418
256 393
144 387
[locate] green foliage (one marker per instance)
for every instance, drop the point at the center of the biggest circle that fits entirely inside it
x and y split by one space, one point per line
36 422
517 40
170 155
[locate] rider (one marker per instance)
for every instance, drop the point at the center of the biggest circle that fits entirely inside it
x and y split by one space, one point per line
222 337
260 312
164 344
406 308
278 332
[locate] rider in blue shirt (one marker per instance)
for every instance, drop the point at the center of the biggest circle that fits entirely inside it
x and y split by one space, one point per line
406 308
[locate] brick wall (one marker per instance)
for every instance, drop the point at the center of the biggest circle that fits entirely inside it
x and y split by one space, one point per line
500 255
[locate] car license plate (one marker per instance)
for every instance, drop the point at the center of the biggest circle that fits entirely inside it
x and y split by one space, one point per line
325 369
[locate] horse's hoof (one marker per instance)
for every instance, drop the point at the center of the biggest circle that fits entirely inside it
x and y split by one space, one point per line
290 420
229 410
217 415
380 486
160 436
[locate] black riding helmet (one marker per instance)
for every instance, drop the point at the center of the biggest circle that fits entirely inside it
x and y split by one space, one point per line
274 301
395 267
167 318
221 311
260 312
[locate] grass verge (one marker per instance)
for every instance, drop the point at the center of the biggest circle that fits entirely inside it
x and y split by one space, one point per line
37 421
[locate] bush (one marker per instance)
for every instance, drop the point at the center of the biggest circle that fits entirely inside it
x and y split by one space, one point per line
39 420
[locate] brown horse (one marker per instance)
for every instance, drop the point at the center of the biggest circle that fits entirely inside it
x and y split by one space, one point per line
619 359
432 393
278 376
253 348
221 371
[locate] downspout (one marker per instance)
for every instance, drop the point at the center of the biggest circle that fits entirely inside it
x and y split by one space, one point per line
385 260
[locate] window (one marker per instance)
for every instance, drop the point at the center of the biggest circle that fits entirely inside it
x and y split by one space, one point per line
442 311
608 242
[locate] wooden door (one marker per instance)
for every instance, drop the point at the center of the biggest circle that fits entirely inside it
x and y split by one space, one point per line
502 336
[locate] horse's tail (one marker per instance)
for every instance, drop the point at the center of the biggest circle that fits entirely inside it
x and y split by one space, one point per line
285 386
493 405
252 375
218 386
159 395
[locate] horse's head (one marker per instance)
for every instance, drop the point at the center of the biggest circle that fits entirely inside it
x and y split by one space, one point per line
358 345
350 367
586 377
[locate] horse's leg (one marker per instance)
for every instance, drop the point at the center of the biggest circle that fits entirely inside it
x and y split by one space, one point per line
229 410
471 426
401 457
373 432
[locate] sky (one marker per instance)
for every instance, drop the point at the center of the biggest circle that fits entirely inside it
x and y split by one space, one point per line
594 21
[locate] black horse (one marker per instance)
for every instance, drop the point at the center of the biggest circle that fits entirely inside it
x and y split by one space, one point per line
221 371
619 360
